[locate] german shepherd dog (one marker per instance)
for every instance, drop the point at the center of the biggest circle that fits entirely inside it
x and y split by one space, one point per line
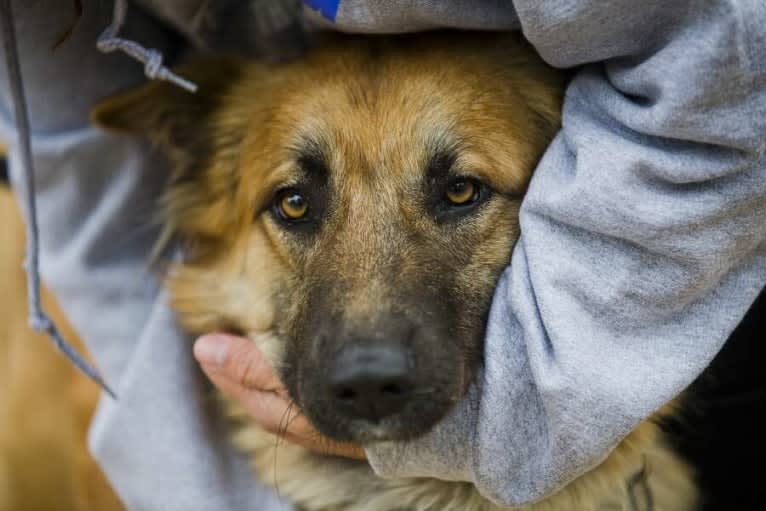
350 212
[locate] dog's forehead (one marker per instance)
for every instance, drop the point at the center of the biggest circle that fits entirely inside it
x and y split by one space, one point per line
385 114
375 125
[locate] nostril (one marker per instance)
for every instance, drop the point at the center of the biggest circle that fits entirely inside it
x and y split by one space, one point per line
370 382
392 390
345 394
371 398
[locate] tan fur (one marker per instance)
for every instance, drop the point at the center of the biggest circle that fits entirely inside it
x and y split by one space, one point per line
379 107
45 404
333 484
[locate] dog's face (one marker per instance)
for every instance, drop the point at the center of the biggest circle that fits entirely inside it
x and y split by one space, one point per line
352 211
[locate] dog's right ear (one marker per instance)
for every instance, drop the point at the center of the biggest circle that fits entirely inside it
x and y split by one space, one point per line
165 113
183 125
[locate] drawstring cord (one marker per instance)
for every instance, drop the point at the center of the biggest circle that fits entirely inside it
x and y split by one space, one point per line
38 319
108 42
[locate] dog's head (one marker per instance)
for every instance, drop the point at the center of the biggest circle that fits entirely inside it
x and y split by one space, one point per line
352 211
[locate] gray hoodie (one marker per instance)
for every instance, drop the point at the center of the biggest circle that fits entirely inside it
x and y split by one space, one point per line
643 241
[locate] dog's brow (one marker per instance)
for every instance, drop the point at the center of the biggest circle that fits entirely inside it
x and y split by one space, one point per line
312 158
441 162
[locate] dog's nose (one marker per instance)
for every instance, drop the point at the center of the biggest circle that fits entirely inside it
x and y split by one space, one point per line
371 381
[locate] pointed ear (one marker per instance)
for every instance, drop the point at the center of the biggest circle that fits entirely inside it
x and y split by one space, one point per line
169 115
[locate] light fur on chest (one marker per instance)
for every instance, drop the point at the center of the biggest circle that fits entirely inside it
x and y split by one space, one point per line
641 474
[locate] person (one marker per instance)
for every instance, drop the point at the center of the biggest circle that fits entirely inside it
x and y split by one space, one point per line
643 243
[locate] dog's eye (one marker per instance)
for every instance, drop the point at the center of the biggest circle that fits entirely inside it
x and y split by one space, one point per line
291 205
462 192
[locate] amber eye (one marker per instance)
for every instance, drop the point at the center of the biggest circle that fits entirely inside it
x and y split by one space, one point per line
292 205
462 192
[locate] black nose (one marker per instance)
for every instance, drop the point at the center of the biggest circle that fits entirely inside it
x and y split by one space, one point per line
369 381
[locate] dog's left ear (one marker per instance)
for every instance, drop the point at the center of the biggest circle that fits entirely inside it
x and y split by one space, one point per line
165 113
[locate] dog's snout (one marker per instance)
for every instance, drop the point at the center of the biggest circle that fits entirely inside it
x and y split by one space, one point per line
371 381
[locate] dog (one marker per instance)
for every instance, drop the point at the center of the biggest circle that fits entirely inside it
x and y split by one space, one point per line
351 212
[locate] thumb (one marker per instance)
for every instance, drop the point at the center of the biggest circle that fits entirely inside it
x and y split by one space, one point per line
237 359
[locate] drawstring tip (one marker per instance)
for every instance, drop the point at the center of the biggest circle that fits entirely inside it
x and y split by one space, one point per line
106 388
41 323
149 57
182 82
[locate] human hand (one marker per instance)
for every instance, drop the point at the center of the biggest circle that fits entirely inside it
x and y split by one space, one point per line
239 369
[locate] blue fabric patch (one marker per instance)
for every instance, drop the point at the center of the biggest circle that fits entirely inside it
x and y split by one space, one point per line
327 8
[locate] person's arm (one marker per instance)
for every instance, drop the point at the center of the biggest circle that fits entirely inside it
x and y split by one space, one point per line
643 238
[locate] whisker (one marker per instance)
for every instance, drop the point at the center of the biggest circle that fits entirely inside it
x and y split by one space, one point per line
281 433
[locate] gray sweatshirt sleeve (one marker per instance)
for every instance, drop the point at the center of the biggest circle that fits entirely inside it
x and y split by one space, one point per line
643 238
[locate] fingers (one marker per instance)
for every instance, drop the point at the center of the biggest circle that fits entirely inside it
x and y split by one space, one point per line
324 445
238 369
237 360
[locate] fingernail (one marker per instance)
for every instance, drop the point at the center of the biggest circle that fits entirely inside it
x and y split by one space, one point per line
211 350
